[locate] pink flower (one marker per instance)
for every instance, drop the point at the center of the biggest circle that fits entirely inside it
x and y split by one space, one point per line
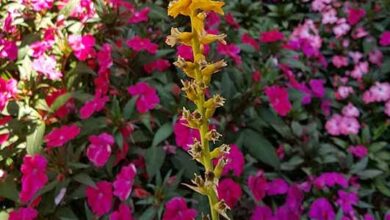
341 28
213 20
258 185
294 198
355 15
99 198
343 92
185 52
99 150
60 136
82 46
333 125
95 105
321 209
159 65
278 97
329 16
368 217
346 200
385 38
359 70
340 61
271 36
230 20
39 48
176 209
229 191
140 44
46 65
34 176
23 214
277 186
40 5
236 161
349 125
331 179
230 50
147 96
248 39
350 111
140 16
8 89
358 151
184 136
123 183
123 213
317 87
104 58
376 57
262 213
8 49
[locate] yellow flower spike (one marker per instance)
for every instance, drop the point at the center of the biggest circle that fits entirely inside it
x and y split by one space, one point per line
187 67
219 167
210 38
178 37
208 5
198 23
177 7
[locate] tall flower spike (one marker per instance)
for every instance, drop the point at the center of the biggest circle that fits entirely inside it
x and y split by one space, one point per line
200 74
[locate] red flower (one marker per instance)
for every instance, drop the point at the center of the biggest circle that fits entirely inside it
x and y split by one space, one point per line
184 136
271 36
99 150
123 213
385 39
236 161
229 191
140 16
95 105
23 214
139 44
100 198
229 18
160 65
60 136
123 183
147 96
82 46
248 39
258 185
355 15
278 97
230 50
176 209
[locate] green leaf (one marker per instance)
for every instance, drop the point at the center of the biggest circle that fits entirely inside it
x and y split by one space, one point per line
260 148
381 185
369 174
129 108
154 157
183 161
8 189
84 179
162 134
60 101
149 214
35 139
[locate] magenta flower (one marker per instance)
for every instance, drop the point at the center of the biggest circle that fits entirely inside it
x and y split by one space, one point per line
8 50
82 46
346 200
358 151
343 92
277 186
34 176
185 52
340 61
140 16
229 191
286 213
230 20
142 44
123 183
355 15
176 209
262 213
248 39
104 58
159 65
258 185
99 149
39 48
123 213
236 161
271 36
385 39
350 111
46 65
294 198
317 87
147 96
8 89
230 50
331 179
95 105
23 214
278 97
99 198
321 209
39 5
60 136
184 136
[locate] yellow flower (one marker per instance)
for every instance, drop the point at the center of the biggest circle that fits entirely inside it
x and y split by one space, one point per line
207 5
177 7
179 37
188 7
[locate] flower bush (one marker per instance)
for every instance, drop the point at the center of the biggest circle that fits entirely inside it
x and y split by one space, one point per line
92 127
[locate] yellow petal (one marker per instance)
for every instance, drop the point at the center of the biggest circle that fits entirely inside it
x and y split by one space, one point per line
177 7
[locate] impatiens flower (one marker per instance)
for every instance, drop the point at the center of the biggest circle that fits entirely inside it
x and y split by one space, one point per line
340 61
123 213
230 50
60 136
185 52
39 48
343 92
248 39
46 65
99 198
321 209
39 5
346 200
286 213
331 179
230 20
235 162
385 38
8 89
82 46
333 125
159 65
358 151
184 136
142 44
350 111
317 87
329 16
349 125
341 28
294 198
376 57
147 96
99 149
34 176
355 15
95 105
140 16
8 50
380 92
177 209
104 58
262 213
123 183
277 186
271 36
278 97
258 185
360 70
229 191
23 214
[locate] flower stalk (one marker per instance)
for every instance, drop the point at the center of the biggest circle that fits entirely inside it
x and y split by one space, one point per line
200 72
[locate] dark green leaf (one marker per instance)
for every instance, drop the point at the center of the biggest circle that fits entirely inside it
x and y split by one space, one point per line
154 157
162 134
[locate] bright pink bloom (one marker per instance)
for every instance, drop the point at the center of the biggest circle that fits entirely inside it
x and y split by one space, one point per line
123 213
39 48
123 183
23 214
139 44
82 11
104 58
230 50
346 200
341 28
34 176
368 217
46 65
271 36
294 198
8 49
248 39
343 92
159 65
236 161
349 125
358 151
329 16
229 191
60 136
355 15
140 16
360 70
385 39
147 96
213 20
333 125
185 52
230 20
262 213
39 5
317 87
3 139
258 185
278 97
8 89
286 213
99 198
380 92
95 105
99 149
82 46
376 57
321 209
331 179
340 61
350 111
177 209
277 186
184 136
